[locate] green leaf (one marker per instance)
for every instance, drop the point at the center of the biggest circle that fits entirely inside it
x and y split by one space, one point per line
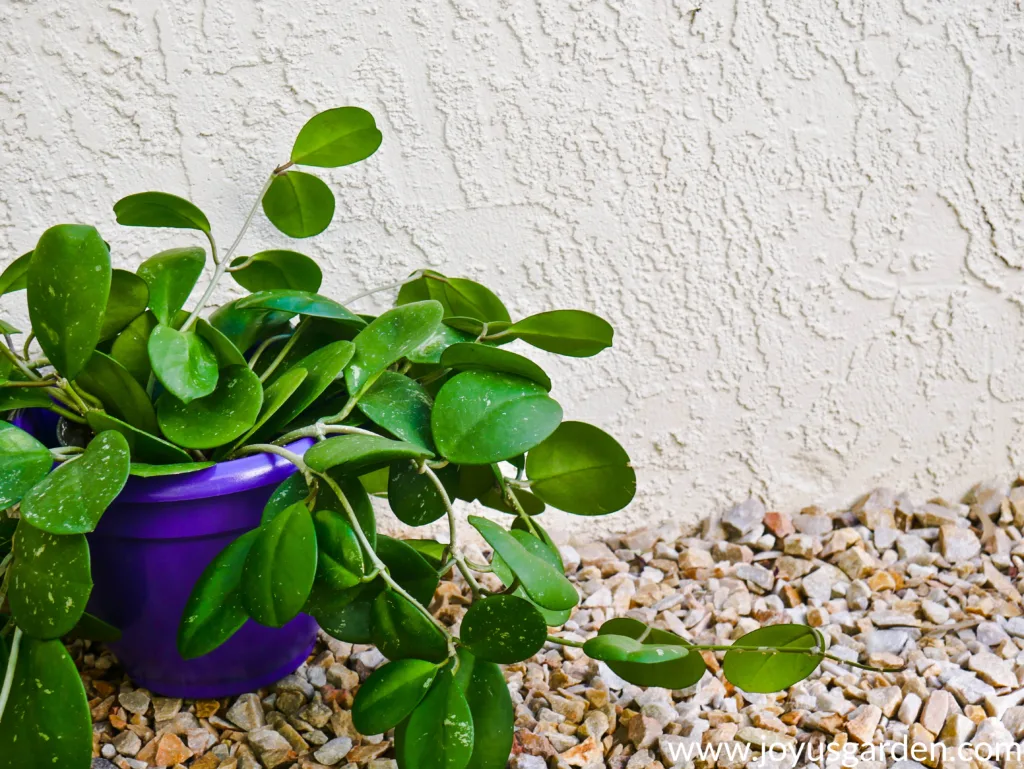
390 337
459 296
503 628
477 328
674 674
482 417
24 462
299 303
280 567
142 445
336 137
401 406
346 615
566 332
543 549
294 489
471 356
12 398
274 398
753 670
216 608
491 708
171 275
431 550
543 583
15 275
582 470
358 454
413 497
223 348
439 734
223 415
129 296
47 721
245 328
444 336
183 362
278 269
130 348
118 391
494 499
390 694
7 328
72 498
50 581
68 285
159 209
340 560
143 470
299 204
408 568
400 630
91 628
552 555
619 648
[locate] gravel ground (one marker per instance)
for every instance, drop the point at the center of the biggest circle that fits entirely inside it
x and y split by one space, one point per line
933 586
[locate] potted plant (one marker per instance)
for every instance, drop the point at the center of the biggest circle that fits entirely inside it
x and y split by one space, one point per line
212 477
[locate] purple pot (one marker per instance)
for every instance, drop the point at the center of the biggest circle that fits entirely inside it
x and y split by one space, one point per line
149 550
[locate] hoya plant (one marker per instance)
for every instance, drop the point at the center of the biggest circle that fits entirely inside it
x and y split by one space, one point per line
424 405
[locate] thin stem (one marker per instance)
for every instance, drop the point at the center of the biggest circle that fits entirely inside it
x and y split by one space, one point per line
565 641
263 346
269 448
8 353
514 500
65 413
66 453
28 344
303 324
95 402
213 247
12 662
222 266
76 399
453 546
397 284
40 383
319 430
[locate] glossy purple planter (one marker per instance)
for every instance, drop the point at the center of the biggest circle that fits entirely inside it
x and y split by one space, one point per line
149 550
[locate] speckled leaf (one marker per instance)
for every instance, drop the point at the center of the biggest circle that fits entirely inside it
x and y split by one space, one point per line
47 721
459 296
390 693
130 348
183 362
143 470
439 733
566 332
490 705
269 270
142 445
389 337
542 582
409 568
119 392
494 499
216 610
476 328
68 285
294 489
223 348
481 417
345 615
340 559
299 204
246 328
471 356
50 581
444 336
274 398
503 628
413 497
128 298
171 275
72 498
401 631
12 398
546 551
619 648
299 303
401 406
160 209
358 454
582 470
336 137
280 567
15 275
24 462
220 417
753 670
674 674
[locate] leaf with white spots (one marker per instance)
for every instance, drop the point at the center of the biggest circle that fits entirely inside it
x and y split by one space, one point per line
72 498
280 567
221 416
171 275
439 733
24 462
393 335
503 628
50 581
390 694
491 708
183 362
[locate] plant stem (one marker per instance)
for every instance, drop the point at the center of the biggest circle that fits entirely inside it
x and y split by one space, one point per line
12 662
565 642
213 247
319 430
397 284
269 448
453 546
222 265
303 324
28 344
263 346
8 353
513 500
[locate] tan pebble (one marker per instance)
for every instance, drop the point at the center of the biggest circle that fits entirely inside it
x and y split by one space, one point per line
171 750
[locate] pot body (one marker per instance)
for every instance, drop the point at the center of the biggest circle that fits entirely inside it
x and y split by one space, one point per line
148 552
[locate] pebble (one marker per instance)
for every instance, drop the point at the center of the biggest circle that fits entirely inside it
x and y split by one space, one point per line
333 751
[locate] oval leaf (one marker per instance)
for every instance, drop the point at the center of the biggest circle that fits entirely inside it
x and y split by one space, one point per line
298 303
223 348
274 398
300 205
471 356
24 462
336 137
582 470
414 498
481 417
674 674
223 415
279 269
619 648
143 446
491 708
439 734
504 629
15 275
118 391
390 693
216 610
245 328
401 406
340 559
389 337
575 333
143 470
50 581
171 275
159 209
68 286
129 296
183 363
358 454
400 630
130 349
280 567
753 670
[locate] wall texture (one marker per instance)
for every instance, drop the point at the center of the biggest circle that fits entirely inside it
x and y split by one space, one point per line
805 218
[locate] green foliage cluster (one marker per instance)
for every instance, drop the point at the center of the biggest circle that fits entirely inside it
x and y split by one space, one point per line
422 405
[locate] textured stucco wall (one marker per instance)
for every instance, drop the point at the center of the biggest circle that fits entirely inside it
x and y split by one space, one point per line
805 218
